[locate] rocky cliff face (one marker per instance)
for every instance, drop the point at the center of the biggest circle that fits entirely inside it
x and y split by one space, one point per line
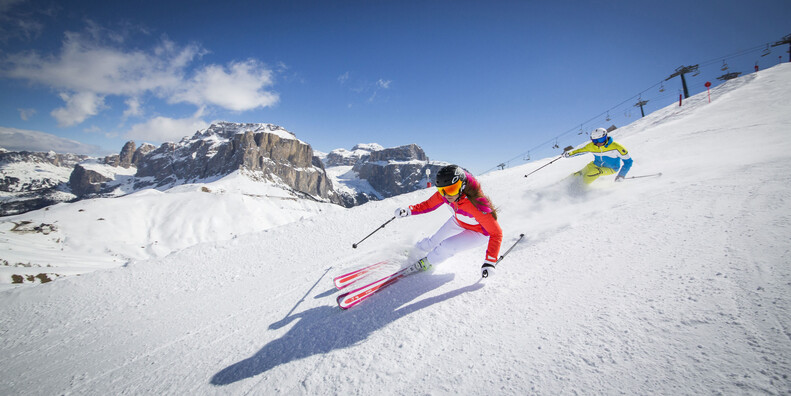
16 167
343 157
30 181
377 172
267 150
397 170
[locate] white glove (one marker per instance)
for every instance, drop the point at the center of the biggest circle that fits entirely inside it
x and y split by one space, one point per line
619 178
401 212
567 154
487 270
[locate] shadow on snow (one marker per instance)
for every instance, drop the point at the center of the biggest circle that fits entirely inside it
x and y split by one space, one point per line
323 329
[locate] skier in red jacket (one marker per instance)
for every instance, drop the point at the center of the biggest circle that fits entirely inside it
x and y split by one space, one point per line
474 220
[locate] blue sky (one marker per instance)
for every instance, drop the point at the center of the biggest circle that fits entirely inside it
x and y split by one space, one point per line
475 83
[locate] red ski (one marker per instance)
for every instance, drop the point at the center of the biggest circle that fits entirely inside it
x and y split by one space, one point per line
354 297
345 280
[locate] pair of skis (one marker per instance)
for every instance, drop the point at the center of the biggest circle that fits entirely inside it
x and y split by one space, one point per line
360 293
357 295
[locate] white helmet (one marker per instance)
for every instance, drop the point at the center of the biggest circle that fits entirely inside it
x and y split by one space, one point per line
598 133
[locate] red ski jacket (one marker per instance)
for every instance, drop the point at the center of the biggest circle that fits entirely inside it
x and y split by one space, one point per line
468 217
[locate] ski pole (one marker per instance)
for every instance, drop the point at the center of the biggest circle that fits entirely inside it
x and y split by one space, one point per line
637 177
354 245
485 273
564 150
509 249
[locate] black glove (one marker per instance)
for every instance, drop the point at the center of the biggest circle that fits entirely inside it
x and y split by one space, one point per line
487 269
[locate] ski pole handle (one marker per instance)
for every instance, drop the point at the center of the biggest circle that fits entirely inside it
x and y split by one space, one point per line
354 245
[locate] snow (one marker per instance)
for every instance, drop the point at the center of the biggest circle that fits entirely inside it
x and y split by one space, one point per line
234 128
346 181
672 285
106 233
28 173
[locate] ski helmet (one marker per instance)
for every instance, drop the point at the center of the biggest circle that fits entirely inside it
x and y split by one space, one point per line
451 177
599 135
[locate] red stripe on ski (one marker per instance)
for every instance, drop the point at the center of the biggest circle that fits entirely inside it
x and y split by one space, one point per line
345 280
354 297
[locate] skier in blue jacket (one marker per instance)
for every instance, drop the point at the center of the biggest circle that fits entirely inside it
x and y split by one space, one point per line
607 157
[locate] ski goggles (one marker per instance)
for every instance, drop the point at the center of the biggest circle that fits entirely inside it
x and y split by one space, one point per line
451 190
599 140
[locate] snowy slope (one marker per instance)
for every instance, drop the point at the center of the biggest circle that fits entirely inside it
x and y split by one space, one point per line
106 233
671 285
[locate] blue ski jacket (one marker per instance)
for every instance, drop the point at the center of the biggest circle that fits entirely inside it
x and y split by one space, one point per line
610 155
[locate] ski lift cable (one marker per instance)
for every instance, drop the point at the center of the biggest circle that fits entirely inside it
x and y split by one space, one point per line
734 55
702 64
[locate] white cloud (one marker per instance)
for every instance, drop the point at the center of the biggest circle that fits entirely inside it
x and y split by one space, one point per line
160 129
26 140
132 108
25 114
343 78
238 87
78 107
89 65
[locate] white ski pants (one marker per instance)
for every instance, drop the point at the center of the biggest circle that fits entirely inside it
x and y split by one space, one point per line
449 240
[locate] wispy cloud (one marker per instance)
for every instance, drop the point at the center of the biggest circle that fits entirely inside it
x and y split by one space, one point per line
362 87
378 86
18 25
25 114
133 108
383 84
26 140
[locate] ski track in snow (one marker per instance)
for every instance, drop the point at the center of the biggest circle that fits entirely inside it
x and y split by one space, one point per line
678 284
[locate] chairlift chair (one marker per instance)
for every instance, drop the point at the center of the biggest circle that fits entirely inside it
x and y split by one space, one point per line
767 51
662 87
724 66
608 116
556 144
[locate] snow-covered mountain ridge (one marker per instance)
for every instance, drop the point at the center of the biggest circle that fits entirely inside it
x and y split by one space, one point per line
265 152
669 285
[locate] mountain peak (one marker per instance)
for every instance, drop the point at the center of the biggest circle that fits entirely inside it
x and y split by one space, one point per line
225 130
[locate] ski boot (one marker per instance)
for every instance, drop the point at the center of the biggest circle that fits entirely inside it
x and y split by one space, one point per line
423 264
